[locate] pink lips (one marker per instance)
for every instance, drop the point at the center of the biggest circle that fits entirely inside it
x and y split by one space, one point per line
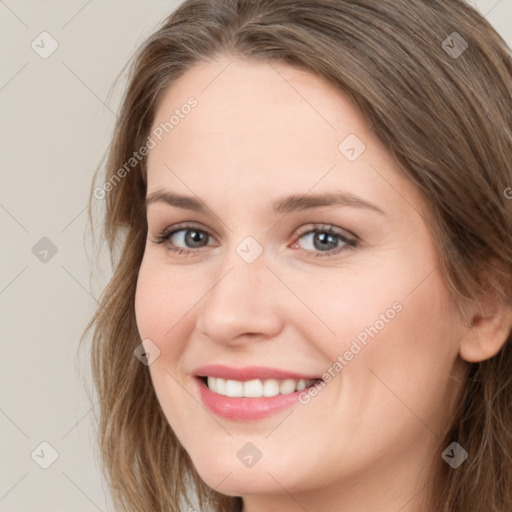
248 373
244 408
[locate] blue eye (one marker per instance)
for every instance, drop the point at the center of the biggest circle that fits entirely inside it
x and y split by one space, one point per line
325 240
189 235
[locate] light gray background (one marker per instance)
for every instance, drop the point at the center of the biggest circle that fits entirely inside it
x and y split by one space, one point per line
56 120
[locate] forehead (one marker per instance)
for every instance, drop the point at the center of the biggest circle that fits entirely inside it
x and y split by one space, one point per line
244 103
260 123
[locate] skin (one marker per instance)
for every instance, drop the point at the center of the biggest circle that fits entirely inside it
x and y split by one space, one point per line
260 132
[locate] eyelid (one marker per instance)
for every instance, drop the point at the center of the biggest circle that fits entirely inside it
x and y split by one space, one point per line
349 240
319 226
300 231
182 226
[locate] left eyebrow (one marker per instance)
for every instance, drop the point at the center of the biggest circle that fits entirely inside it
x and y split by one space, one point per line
287 204
338 198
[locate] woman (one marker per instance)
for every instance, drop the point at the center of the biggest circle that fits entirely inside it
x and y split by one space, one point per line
311 306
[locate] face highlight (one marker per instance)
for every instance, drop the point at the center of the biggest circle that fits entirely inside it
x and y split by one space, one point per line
281 236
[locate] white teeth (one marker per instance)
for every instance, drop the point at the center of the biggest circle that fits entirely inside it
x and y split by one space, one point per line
253 388
287 386
257 387
270 387
220 386
234 388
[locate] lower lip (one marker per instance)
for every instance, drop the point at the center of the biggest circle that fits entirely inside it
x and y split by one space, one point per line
244 408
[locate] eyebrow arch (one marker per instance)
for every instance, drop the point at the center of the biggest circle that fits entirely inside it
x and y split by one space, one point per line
288 204
338 198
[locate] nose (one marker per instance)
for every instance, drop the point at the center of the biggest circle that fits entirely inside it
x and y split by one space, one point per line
245 303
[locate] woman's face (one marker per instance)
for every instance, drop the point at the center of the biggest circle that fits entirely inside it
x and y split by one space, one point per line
300 253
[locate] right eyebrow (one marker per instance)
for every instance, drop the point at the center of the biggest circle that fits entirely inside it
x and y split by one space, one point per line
185 202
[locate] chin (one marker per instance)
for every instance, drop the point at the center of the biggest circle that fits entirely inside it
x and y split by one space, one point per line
242 482
232 478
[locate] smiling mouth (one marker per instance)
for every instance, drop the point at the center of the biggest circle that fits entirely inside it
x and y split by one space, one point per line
257 388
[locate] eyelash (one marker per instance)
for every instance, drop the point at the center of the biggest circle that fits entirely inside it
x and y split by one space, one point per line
350 243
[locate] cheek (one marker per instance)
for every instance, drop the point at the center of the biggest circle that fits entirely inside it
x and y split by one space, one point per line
403 371
395 340
160 305
148 303
350 308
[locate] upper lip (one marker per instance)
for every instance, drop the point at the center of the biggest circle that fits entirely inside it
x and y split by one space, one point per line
249 373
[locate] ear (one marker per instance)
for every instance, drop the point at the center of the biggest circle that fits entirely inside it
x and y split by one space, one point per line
490 320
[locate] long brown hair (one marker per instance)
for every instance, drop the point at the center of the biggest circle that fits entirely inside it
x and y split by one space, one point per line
441 102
